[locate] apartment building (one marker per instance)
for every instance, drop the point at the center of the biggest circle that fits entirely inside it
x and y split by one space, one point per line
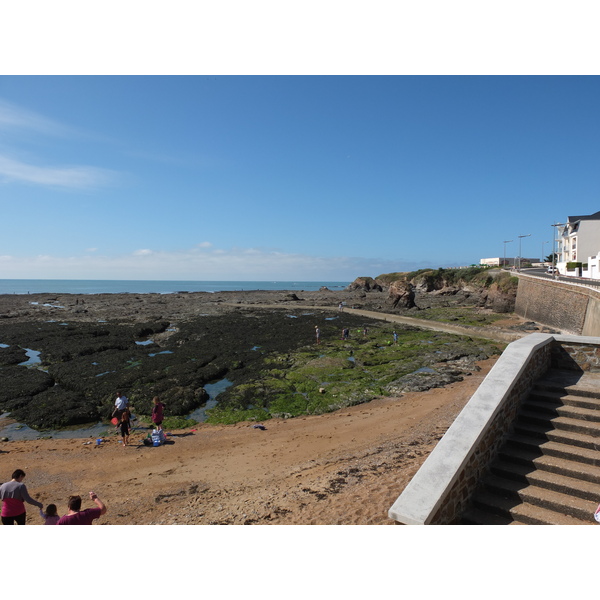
579 246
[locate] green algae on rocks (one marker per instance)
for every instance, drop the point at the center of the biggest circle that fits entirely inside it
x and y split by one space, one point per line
344 372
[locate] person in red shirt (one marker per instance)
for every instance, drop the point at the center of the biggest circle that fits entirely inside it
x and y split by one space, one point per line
157 412
76 516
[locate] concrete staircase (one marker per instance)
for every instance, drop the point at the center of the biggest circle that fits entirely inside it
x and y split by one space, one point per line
548 470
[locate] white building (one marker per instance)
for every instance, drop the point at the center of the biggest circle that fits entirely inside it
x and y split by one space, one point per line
508 262
579 246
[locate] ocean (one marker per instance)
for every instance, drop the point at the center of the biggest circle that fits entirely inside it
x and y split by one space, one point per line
102 286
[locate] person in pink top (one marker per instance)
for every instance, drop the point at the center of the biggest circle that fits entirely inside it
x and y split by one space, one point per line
76 516
14 494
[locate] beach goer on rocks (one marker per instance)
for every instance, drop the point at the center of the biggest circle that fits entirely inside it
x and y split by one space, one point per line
318 334
395 337
341 306
345 333
76 516
121 403
125 426
51 515
157 412
14 494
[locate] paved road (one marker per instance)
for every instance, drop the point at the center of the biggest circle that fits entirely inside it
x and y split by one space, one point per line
539 272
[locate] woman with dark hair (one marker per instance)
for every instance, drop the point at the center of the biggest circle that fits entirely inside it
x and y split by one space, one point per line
14 494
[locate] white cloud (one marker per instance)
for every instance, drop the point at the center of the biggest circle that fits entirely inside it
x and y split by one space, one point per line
65 177
20 126
199 264
15 117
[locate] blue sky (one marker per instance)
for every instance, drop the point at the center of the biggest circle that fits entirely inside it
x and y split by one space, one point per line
288 177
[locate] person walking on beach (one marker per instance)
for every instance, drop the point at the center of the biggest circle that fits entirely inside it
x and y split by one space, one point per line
318 334
76 516
395 337
157 412
51 515
14 494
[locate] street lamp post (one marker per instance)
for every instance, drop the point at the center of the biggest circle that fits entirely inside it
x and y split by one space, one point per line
520 237
542 259
554 240
504 260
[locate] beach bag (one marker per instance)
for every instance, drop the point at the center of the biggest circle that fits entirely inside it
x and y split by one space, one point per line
158 437
597 514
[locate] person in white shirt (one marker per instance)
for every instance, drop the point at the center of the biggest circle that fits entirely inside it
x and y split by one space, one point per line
121 403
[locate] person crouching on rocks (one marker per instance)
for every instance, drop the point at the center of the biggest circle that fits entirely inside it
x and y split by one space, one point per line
157 412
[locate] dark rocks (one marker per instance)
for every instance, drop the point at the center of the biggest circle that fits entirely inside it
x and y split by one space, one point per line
402 294
367 284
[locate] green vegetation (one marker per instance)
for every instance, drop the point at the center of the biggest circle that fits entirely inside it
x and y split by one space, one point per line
459 315
436 278
340 373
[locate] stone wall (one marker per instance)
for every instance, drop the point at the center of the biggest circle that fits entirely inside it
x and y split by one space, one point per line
575 354
486 450
570 308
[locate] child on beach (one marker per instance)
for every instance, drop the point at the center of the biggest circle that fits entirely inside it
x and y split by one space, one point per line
51 515
157 412
125 425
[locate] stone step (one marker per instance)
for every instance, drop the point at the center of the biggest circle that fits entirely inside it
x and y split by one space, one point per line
477 516
561 410
591 390
558 397
528 475
548 433
524 512
565 504
591 428
534 460
557 449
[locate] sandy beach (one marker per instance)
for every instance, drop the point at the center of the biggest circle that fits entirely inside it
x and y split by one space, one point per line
346 467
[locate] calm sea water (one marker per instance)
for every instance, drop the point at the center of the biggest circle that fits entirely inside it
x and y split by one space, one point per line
77 286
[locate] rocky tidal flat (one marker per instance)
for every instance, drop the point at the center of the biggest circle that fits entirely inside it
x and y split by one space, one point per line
86 347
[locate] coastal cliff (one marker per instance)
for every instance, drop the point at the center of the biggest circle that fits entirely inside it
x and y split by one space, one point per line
485 288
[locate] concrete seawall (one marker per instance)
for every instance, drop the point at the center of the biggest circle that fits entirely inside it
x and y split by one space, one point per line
570 307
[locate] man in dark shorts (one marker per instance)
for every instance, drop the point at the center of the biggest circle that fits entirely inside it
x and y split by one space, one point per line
76 516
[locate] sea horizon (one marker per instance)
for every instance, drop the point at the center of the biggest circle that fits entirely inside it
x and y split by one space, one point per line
144 286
